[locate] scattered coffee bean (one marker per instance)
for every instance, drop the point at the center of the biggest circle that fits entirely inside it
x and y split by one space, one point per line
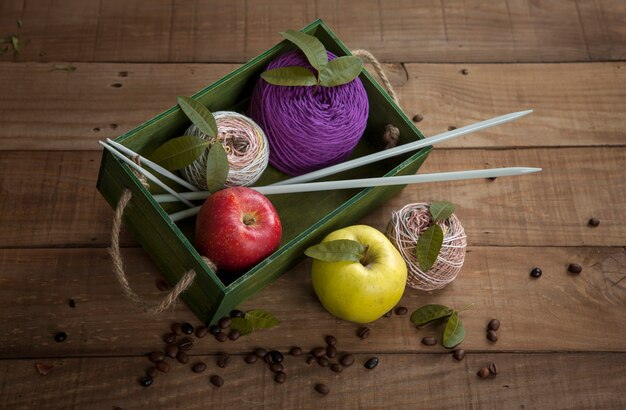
162 285
237 313
347 360
234 334
146 381
214 329
493 369
593 222
186 328
318 351
177 329
223 360
388 314
429 341
163 366
492 336
185 344
295 351
401 310
224 322
277 367
169 338
483 373
331 340
417 118
458 354
336 367
250 358
198 367
371 363
221 337
494 324
72 303
182 357
323 361
152 372
275 356
331 351
260 353
322 389
171 350
536 272
280 377
60 337
156 356
574 268
201 331
216 380
364 332
310 359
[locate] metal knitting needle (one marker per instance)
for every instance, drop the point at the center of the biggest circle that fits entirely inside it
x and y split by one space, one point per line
402 149
152 165
146 173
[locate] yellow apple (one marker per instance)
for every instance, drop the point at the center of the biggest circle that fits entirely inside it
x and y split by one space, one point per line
361 291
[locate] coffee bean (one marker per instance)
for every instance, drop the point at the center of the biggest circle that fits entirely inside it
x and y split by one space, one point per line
169 338
494 324
277 367
536 272
198 367
185 344
310 359
347 360
493 369
417 118
156 356
275 356
221 337
336 367
250 358
214 329
201 331
331 351
223 360
318 351
371 363
260 353
152 372
187 328
364 332
216 380
483 373
177 329
280 377
323 361
163 366
492 336
225 322
234 335
322 389
401 310
295 351
593 222
162 285
574 268
429 341
182 357
330 340
388 314
237 313
458 354
171 351
60 337
72 303
146 381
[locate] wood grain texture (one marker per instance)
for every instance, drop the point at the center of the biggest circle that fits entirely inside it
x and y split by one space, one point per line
395 31
558 312
404 381
575 104
546 209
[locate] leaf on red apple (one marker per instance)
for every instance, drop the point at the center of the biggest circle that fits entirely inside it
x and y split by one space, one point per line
216 167
428 246
337 251
441 210
261 319
242 324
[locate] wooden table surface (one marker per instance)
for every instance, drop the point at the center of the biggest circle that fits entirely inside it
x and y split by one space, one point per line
562 343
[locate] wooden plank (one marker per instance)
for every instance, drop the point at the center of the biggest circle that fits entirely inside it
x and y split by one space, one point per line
538 381
546 209
575 104
398 31
558 312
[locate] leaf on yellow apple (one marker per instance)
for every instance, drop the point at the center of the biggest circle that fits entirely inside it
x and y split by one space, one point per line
337 251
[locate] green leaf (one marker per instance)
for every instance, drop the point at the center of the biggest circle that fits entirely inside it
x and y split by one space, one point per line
440 211
312 48
242 324
15 41
336 251
179 152
428 246
428 313
454 332
199 115
341 70
261 319
291 76
216 167
63 67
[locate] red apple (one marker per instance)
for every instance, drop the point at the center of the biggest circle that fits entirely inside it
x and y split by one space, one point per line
237 228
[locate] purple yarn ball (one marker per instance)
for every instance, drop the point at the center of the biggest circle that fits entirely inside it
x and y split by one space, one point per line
309 128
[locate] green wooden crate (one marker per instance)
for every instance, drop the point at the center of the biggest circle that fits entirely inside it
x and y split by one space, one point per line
306 218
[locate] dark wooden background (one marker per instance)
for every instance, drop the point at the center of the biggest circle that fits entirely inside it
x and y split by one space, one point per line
562 343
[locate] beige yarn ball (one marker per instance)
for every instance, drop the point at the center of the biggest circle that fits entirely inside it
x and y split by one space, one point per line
404 230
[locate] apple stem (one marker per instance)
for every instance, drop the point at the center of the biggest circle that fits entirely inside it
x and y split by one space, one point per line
363 259
249 220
